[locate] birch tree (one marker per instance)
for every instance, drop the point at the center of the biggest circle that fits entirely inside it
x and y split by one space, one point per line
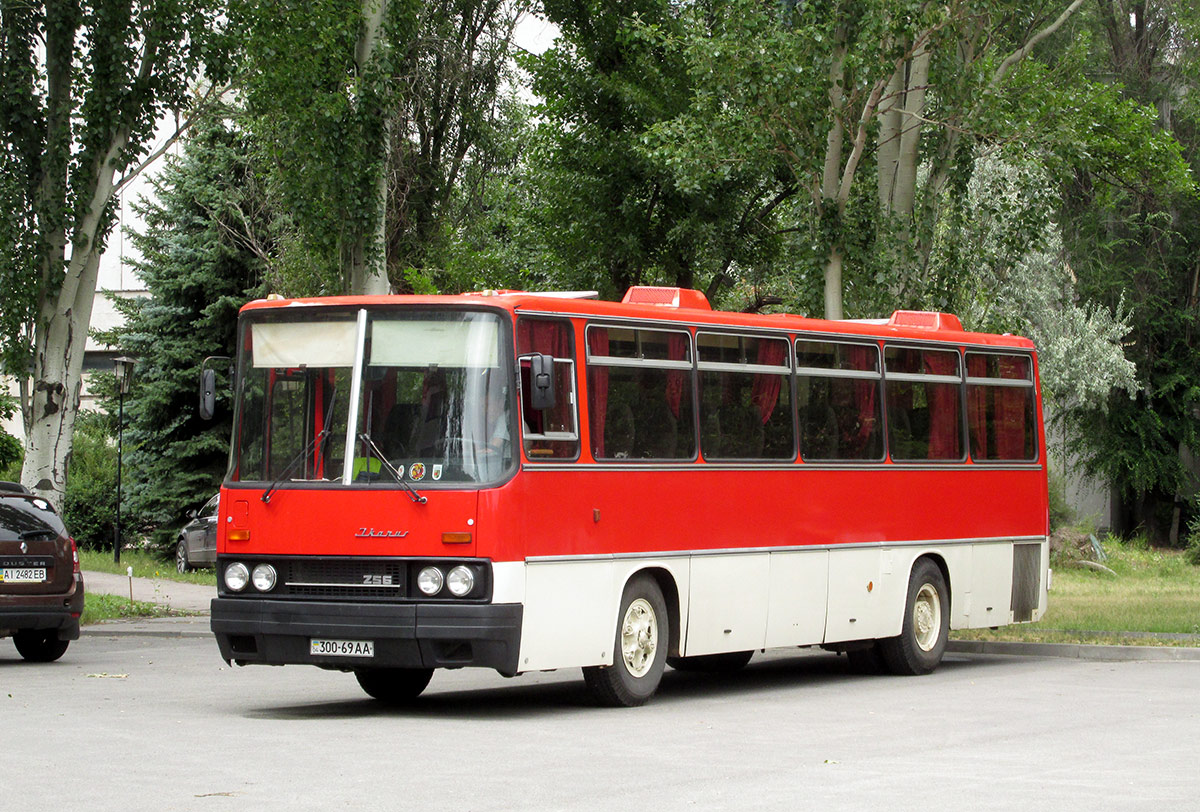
320 79
82 88
848 92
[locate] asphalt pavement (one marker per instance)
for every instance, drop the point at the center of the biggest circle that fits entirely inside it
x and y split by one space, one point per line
195 599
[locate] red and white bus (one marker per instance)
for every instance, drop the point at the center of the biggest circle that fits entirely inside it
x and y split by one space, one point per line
527 482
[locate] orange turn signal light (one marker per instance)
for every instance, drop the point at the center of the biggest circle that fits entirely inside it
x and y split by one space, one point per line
237 535
456 538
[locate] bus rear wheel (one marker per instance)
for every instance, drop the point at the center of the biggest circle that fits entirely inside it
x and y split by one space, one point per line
639 649
394 686
922 640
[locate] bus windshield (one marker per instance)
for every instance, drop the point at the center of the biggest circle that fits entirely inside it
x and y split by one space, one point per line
423 397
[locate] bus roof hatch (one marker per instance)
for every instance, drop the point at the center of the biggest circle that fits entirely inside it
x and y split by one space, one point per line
666 297
927 319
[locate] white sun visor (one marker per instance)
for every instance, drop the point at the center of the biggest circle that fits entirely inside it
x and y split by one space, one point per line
419 343
311 344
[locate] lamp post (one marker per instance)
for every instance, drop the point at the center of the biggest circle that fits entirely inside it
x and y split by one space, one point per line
124 371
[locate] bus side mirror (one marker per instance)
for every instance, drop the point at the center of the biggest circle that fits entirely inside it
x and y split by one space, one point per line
541 381
208 393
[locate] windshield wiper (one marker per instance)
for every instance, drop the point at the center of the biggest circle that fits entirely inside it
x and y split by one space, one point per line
391 469
304 452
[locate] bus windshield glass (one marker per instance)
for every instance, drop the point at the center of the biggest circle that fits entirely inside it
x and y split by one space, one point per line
419 396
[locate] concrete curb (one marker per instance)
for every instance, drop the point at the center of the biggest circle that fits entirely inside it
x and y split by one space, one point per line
1077 651
174 627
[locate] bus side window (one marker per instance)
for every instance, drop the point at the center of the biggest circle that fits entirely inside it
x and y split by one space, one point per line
549 434
745 397
838 401
640 397
923 406
1001 423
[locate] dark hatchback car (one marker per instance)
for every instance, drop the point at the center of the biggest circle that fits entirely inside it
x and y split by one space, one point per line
196 545
41 588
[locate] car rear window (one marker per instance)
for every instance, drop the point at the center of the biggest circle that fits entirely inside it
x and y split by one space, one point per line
24 517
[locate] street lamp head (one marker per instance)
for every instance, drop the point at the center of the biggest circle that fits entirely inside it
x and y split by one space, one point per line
124 371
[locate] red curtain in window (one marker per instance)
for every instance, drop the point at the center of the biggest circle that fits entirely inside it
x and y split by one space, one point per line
766 386
977 407
1010 411
677 351
865 394
548 337
598 389
943 408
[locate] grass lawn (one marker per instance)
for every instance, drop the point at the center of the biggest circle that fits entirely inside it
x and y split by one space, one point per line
145 565
97 607
1154 592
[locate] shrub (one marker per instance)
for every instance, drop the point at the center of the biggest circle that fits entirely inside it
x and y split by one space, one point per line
89 505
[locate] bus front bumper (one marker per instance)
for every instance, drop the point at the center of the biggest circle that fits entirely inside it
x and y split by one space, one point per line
416 635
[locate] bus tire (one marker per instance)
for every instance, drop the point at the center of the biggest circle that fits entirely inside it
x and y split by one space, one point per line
393 686
639 648
724 663
922 640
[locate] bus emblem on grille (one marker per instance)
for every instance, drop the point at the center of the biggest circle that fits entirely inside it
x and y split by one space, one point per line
377 580
372 533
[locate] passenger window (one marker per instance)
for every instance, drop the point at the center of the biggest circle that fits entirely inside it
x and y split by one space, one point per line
1000 407
549 434
923 403
838 401
640 394
745 398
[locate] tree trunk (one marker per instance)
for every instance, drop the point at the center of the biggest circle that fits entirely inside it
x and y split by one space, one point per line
57 380
367 264
830 183
60 338
905 190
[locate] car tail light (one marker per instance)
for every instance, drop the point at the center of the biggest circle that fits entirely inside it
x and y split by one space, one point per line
75 555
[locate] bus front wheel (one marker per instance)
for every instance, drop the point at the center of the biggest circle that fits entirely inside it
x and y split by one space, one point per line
394 686
640 648
922 640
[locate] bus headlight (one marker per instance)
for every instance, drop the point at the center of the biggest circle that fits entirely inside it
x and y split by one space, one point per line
263 577
460 581
429 580
237 576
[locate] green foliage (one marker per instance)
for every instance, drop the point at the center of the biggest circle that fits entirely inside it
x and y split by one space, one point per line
614 210
200 261
11 452
82 89
1133 244
319 119
90 504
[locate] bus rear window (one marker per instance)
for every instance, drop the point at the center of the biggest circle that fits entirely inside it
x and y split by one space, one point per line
1000 407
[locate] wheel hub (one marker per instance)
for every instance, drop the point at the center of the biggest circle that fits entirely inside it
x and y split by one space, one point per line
927 617
639 637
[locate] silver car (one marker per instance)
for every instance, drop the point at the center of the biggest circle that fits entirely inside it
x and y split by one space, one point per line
197 544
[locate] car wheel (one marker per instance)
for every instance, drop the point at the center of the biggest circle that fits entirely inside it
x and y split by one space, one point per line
181 557
639 649
394 686
39 646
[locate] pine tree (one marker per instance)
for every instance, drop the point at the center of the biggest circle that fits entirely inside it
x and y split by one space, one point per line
202 257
